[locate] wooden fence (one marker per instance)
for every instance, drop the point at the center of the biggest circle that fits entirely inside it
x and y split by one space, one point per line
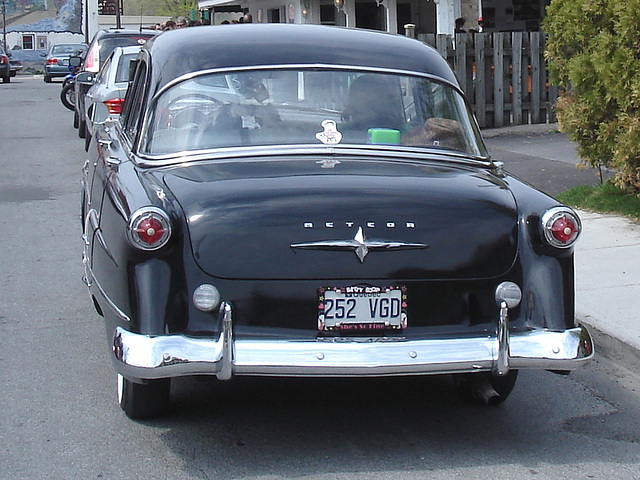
504 75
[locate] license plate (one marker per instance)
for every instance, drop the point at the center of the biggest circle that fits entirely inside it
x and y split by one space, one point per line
362 307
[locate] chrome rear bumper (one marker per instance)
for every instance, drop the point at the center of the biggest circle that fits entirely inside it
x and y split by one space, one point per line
147 357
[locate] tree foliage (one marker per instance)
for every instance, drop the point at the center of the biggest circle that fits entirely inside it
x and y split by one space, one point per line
593 52
168 8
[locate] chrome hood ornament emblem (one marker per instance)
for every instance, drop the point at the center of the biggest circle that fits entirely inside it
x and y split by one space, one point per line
359 244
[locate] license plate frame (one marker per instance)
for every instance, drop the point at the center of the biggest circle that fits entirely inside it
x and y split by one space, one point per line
358 308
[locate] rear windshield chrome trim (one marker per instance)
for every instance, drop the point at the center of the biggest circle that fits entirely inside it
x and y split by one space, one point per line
382 151
303 66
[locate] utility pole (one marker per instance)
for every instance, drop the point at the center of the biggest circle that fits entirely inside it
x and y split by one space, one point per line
4 25
118 13
86 22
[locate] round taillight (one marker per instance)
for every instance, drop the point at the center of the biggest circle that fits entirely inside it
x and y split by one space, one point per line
561 227
149 228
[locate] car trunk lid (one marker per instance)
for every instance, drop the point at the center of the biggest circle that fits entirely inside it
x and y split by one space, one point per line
346 219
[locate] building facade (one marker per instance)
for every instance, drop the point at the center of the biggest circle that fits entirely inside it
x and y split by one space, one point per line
428 16
32 25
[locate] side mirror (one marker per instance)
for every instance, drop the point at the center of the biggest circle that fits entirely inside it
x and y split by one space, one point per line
75 61
43 54
86 78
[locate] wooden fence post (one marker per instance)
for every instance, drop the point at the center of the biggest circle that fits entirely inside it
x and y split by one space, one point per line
480 94
516 78
536 82
504 75
498 76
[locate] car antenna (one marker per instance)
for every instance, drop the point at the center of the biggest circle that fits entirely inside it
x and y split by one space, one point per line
140 18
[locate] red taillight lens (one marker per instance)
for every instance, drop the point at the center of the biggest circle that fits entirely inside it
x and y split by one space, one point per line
91 63
4 59
115 106
52 61
149 228
561 227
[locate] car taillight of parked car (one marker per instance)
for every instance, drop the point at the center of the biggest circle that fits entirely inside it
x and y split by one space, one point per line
149 228
114 106
91 63
561 227
52 61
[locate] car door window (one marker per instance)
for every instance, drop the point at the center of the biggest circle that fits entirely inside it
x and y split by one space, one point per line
133 104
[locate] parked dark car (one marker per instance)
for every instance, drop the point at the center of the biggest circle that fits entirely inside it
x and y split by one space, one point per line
16 66
317 202
5 66
103 43
56 59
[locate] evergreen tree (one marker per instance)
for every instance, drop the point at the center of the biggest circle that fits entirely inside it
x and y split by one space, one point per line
593 52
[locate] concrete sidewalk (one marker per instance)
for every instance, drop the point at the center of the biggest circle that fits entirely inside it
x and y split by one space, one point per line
608 284
607 253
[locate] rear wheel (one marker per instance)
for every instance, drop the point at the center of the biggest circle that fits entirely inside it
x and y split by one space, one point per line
143 400
87 141
68 96
82 128
47 79
6 79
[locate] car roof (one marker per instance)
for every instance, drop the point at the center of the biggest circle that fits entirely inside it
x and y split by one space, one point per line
79 46
125 31
178 52
126 49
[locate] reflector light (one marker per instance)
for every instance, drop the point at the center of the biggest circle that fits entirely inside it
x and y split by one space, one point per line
206 297
561 227
114 106
149 228
509 292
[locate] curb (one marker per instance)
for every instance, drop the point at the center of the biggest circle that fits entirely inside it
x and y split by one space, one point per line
611 347
529 129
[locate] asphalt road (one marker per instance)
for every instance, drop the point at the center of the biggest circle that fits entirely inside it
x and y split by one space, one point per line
60 420
542 156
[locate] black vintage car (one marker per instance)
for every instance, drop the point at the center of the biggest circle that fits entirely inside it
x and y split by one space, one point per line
298 200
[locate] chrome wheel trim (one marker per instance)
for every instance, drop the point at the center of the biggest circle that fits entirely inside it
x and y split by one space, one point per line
120 388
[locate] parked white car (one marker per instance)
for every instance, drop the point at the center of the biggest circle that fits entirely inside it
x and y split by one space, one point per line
104 99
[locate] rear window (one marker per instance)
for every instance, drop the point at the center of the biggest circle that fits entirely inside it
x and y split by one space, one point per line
311 106
108 45
124 67
68 49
